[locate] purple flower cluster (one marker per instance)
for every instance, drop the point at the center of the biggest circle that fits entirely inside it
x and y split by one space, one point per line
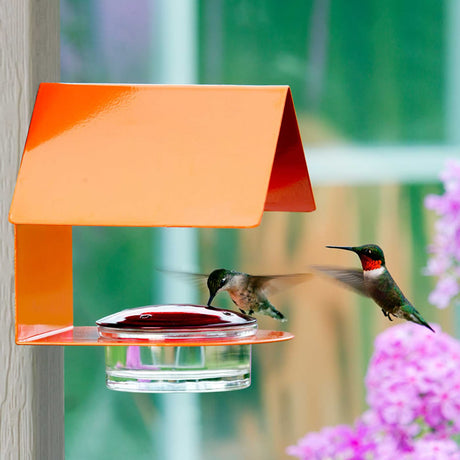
413 381
413 391
434 449
444 262
361 442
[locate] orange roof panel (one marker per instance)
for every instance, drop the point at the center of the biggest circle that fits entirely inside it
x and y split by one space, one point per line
154 155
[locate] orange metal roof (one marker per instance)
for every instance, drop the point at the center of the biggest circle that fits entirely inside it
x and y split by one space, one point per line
150 155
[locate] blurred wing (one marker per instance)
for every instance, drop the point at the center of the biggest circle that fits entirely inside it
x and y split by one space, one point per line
350 278
197 279
273 283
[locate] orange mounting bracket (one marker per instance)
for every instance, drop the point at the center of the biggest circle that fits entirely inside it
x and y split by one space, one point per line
143 155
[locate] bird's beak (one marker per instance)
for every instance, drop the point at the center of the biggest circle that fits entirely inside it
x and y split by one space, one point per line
346 248
211 298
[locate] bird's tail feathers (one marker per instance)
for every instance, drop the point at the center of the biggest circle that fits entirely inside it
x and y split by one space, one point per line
269 310
277 315
416 317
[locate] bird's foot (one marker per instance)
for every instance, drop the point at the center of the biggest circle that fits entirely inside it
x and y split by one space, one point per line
387 314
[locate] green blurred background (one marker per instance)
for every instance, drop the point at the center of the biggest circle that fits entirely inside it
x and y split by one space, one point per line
376 93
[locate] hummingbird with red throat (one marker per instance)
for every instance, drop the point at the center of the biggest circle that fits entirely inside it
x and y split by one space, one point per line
375 281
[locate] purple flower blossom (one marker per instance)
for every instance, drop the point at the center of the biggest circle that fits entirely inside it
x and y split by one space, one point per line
324 444
413 391
446 289
361 442
444 262
441 449
413 380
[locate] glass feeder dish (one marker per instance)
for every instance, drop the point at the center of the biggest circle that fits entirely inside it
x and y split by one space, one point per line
177 357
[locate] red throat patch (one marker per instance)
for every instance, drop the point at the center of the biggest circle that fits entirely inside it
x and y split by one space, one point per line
370 264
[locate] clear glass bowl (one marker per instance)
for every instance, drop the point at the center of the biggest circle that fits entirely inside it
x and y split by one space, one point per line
168 367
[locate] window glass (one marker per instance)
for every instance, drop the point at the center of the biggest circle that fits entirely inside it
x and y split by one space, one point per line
373 90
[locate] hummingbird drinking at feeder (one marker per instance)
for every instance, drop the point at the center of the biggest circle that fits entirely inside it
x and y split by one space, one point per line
248 292
375 281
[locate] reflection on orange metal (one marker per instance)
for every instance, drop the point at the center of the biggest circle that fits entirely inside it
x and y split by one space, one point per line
87 335
181 156
143 155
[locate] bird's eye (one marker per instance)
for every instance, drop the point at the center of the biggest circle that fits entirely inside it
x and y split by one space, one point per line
223 281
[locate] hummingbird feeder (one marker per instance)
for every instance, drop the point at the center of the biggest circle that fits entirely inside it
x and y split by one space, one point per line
150 156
